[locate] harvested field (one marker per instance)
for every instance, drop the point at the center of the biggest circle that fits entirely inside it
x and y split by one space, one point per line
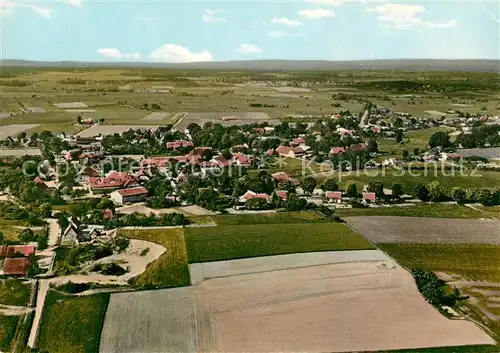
426 230
5 115
206 270
156 321
71 105
226 119
156 116
435 113
11 130
19 152
80 110
490 153
344 307
196 210
35 109
112 129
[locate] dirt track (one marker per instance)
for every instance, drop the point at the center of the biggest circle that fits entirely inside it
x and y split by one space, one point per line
386 229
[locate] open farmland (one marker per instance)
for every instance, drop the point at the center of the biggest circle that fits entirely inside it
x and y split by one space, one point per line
474 269
389 229
287 310
71 105
105 130
418 210
72 324
253 240
156 321
11 130
490 153
228 119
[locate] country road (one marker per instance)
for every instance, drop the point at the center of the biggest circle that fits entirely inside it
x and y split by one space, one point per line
43 287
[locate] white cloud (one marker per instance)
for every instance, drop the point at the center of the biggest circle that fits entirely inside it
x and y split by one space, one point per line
6 8
315 13
406 16
174 53
211 16
117 54
285 21
249 49
77 3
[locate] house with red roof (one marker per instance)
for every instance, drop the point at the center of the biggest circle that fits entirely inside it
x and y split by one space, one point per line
290 152
298 141
249 195
369 197
333 196
336 150
221 161
7 251
131 195
114 180
242 160
281 194
16 266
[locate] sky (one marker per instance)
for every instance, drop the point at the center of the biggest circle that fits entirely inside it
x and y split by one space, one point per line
195 31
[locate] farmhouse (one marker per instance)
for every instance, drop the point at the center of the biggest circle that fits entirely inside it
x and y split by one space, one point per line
76 232
291 152
114 180
178 144
131 195
369 197
249 195
336 150
333 196
242 160
11 250
16 266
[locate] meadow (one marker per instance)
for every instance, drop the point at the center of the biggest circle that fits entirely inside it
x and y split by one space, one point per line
418 210
8 327
14 292
72 324
253 240
171 269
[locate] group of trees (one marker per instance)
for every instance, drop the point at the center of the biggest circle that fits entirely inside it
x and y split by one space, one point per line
479 136
435 192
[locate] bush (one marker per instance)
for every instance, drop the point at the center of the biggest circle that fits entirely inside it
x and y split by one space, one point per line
434 289
73 288
121 244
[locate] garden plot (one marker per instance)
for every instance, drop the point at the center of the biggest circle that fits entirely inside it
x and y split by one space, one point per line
104 130
226 119
11 130
386 229
71 105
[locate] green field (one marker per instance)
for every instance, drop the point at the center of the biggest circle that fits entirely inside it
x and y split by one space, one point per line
412 139
473 262
14 292
419 210
72 324
170 269
468 179
459 349
269 218
8 327
242 241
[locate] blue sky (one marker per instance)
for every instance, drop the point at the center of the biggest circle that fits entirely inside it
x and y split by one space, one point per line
187 31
